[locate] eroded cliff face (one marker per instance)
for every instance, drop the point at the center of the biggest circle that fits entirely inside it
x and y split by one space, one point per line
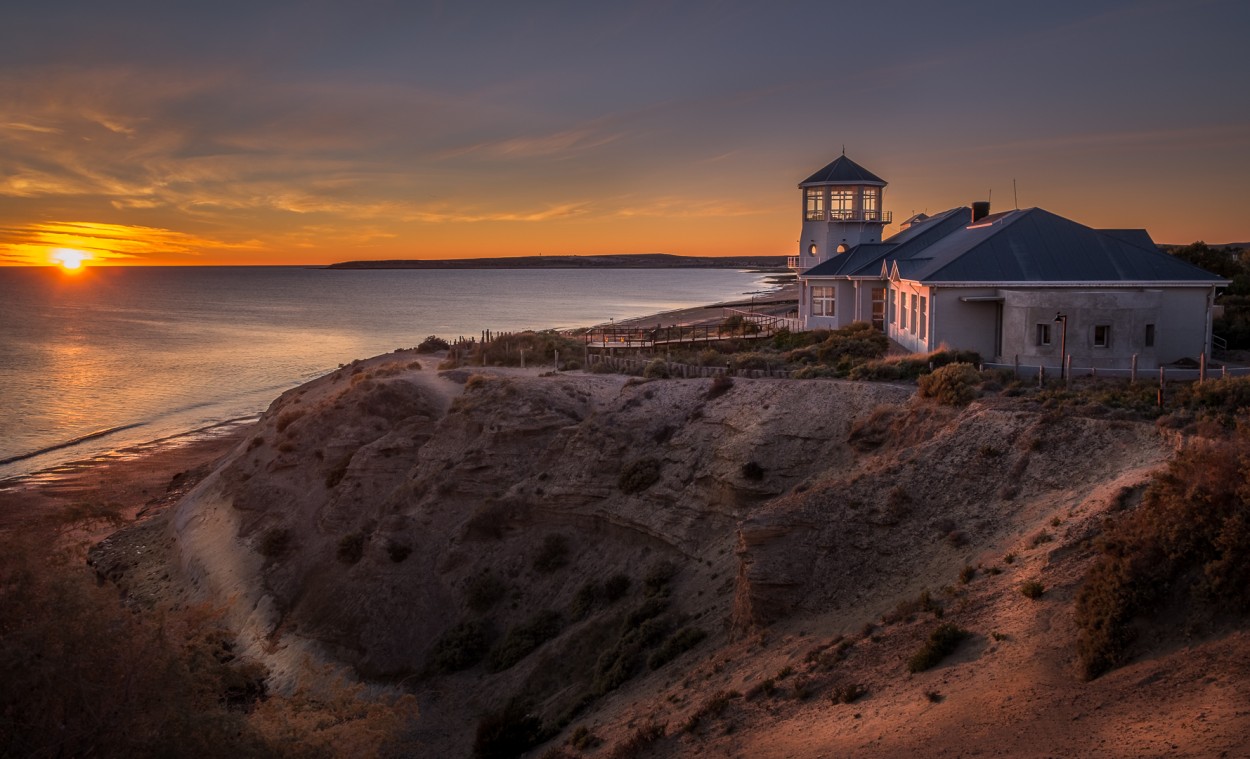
369 504
404 521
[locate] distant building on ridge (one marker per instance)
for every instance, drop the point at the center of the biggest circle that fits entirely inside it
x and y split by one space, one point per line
1007 285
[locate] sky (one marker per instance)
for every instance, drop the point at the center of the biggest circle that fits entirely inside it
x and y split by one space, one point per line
312 132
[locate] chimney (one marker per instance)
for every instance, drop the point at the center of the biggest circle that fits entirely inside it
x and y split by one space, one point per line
980 209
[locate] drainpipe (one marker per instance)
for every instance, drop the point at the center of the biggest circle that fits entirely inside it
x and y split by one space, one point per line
1210 328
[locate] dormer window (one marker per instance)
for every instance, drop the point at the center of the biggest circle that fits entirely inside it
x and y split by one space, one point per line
814 204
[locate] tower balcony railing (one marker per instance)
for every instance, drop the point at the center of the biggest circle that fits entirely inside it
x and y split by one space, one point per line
885 217
793 263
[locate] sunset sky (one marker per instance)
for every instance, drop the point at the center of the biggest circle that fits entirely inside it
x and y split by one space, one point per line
262 132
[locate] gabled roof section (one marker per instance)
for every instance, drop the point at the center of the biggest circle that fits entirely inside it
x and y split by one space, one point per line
843 171
855 259
1033 245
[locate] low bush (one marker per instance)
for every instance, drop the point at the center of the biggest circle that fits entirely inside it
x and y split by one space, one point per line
942 643
657 368
658 577
638 475
1032 589
433 344
848 693
553 554
275 543
508 732
484 590
721 384
460 647
615 587
752 471
675 645
952 385
351 548
523 639
1187 542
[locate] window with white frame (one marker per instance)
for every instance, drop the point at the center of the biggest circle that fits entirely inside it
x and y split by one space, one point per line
814 204
1043 333
824 302
924 317
914 320
889 306
902 310
870 201
1102 335
841 203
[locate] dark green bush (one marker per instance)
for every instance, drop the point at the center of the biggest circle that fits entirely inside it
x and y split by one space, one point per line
676 644
657 368
1032 589
275 542
658 577
432 344
351 548
460 647
639 475
942 643
508 733
553 554
522 639
615 587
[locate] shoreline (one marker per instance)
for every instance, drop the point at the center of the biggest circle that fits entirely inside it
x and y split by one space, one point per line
781 298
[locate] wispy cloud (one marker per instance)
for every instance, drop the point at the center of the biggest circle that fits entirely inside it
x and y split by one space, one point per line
33 244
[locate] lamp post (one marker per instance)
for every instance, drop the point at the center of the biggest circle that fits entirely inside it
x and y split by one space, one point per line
1062 319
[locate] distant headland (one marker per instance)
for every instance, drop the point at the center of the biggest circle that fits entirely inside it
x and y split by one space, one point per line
630 261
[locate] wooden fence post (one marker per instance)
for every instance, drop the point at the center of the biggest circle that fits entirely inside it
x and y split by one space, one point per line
1202 367
1133 372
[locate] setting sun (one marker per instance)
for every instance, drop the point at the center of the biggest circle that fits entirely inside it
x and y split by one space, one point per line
69 259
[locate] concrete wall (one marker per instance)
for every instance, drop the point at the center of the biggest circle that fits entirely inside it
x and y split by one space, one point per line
1179 316
845 310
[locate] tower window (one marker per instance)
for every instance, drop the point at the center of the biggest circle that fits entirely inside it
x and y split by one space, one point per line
814 204
841 203
871 203
824 301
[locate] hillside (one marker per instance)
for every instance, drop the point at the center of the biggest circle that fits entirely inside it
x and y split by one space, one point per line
538 554
623 261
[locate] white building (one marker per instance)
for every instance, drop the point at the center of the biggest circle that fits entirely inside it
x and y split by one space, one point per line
1011 286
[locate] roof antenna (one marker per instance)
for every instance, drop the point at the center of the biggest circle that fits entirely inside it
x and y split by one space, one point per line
990 199
1014 196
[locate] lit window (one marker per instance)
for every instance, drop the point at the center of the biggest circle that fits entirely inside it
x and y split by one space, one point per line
842 202
815 204
924 316
1102 335
1150 335
870 198
824 302
1043 334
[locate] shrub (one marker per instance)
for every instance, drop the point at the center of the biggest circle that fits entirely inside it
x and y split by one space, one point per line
942 643
675 645
582 739
484 590
1188 540
951 385
507 733
657 368
433 344
966 574
397 551
658 577
275 542
351 548
721 384
615 587
460 647
847 694
553 554
523 639
639 475
752 471
1032 589
641 740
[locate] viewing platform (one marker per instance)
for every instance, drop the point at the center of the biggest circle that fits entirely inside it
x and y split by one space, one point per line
750 326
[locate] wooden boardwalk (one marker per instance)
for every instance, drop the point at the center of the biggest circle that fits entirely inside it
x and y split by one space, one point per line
750 326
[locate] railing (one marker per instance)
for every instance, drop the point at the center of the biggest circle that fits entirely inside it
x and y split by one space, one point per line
1219 343
793 263
1042 373
770 323
751 326
861 215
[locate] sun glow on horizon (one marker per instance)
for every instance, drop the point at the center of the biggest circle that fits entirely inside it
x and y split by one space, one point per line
69 259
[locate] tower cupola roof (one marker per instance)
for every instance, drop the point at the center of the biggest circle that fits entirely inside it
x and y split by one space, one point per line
843 171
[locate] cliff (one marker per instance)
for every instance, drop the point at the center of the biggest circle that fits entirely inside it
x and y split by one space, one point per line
602 551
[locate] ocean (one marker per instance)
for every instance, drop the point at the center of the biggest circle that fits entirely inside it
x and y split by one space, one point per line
113 357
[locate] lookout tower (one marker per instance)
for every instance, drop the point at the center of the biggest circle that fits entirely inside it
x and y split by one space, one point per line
841 209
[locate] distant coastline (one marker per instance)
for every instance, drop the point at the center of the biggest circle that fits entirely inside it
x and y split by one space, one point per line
629 261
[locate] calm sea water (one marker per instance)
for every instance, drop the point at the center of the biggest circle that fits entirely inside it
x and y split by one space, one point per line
153 352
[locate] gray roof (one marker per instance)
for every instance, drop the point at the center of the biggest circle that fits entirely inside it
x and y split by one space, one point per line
864 260
1033 245
843 171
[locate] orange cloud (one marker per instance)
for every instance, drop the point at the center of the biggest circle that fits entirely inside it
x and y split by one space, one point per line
38 244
